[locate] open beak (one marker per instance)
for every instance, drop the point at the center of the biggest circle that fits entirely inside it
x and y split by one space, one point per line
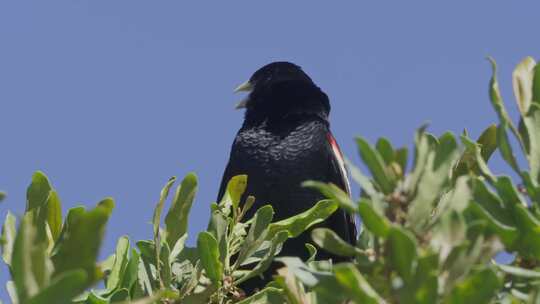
244 87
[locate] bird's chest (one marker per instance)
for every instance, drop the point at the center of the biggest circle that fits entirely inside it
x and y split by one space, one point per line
295 155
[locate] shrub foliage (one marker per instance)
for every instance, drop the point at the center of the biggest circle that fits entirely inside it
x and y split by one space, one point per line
430 231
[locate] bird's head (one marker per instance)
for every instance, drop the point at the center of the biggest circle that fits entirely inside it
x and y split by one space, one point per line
282 88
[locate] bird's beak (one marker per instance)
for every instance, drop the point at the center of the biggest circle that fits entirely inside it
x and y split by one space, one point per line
242 103
244 87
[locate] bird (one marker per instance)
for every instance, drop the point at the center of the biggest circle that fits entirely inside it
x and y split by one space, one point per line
285 139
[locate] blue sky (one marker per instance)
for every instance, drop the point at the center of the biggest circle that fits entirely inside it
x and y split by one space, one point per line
111 98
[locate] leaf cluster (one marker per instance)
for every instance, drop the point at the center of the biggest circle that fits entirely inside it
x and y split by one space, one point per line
432 226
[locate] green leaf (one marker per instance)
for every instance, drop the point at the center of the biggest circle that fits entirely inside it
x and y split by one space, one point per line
435 177
401 158
331 242
491 203
529 232
292 289
363 181
219 227
131 271
333 192
401 252
93 298
507 234
120 295
267 258
375 164
424 288
479 287
532 123
66 286
79 243
120 264
176 220
301 271
536 85
38 191
385 149
257 232
421 151
508 192
207 247
177 249
156 220
446 150
483 147
373 221
312 251
22 262
522 82
12 292
301 222
270 295
73 216
519 272
488 142
2 195
165 273
505 148
9 232
497 102
473 156
355 285
235 189
54 214
146 274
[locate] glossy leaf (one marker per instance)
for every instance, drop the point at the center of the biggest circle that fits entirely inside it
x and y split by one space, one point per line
54 214
207 247
333 192
385 149
355 285
522 82
9 231
156 219
435 176
257 232
79 244
234 191
519 272
62 289
22 264
270 295
401 251
120 263
375 163
497 102
267 258
301 222
532 122
176 220
505 148
477 288
328 240
38 191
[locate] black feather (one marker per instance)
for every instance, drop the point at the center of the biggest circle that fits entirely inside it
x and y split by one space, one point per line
282 143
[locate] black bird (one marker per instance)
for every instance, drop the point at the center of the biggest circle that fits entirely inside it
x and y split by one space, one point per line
285 140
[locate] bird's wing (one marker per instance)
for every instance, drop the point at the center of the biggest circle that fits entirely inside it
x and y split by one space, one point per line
341 181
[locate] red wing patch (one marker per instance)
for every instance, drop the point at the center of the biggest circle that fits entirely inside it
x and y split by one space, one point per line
341 162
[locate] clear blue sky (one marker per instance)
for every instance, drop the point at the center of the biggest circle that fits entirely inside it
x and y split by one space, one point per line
111 98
